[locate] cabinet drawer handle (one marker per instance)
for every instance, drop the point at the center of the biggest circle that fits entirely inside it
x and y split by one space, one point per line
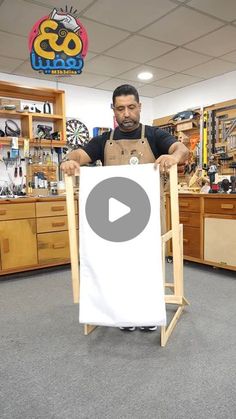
227 206
184 204
57 208
3 212
42 245
185 240
59 245
59 224
5 245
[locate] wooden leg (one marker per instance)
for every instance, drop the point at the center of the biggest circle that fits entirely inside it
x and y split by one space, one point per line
74 257
88 328
166 331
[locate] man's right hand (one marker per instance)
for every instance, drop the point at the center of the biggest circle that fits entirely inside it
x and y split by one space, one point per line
70 167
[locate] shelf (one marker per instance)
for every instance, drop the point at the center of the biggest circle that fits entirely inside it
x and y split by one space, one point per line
28 119
16 91
47 116
35 116
34 143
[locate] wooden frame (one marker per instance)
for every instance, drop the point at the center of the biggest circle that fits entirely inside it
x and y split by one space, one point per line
176 234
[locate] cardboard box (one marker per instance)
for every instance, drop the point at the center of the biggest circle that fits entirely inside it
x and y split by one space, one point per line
6 101
186 125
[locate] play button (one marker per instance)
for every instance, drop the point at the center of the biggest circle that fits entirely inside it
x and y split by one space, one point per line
118 209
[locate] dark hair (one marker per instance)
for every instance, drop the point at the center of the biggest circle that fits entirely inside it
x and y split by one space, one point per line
125 90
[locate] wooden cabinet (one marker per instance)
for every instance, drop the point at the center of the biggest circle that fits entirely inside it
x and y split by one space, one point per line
18 247
190 218
18 243
220 241
33 234
52 229
28 120
209 228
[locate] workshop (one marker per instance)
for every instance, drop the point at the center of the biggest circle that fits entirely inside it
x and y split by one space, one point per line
117 209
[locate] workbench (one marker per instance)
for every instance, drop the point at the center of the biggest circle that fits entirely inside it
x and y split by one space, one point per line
209 228
33 233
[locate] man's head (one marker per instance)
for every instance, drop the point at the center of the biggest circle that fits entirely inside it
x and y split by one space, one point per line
126 107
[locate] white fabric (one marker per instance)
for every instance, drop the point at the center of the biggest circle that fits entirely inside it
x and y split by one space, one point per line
121 284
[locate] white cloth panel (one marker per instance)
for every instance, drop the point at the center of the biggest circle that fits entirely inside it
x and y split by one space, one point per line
121 283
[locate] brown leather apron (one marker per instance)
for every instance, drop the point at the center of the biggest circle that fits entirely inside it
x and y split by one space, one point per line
138 151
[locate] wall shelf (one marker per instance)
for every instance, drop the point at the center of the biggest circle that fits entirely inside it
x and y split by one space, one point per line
27 119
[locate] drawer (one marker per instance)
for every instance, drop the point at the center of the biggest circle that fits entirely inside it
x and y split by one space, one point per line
17 211
220 206
49 209
189 204
60 223
191 241
190 219
53 247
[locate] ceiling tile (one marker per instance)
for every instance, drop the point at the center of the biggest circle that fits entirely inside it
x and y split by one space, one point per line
211 69
108 66
157 73
8 65
20 18
13 46
139 49
131 15
79 5
230 57
101 37
179 60
25 69
177 80
112 84
85 79
222 10
89 56
216 43
181 26
152 91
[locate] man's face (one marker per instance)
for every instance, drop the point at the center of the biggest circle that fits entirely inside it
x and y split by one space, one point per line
127 112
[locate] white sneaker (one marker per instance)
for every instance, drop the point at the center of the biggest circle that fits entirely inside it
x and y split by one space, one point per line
148 328
128 329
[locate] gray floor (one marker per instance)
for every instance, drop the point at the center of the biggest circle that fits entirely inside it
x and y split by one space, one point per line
48 369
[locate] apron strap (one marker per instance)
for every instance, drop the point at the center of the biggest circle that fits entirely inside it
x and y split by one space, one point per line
111 135
143 131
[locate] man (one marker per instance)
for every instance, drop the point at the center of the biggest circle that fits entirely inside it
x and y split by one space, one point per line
130 143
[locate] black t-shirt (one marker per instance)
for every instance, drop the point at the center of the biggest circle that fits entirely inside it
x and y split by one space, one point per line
159 141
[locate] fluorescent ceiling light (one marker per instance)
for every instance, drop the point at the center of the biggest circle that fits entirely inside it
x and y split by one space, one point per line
145 75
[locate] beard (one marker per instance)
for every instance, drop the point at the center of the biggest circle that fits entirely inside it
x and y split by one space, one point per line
128 124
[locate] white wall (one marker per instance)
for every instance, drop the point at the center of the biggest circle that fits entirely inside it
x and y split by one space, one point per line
90 106
217 89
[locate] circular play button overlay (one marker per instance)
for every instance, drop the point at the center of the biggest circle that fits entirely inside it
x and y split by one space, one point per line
118 209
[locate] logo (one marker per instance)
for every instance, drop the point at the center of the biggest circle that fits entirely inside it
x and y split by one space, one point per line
58 44
118 209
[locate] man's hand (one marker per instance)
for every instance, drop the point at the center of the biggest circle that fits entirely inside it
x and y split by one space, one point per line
165 161
70 167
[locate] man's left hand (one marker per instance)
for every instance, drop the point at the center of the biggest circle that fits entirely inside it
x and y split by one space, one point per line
165 161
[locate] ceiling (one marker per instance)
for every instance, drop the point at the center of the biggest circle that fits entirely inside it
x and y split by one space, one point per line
181 42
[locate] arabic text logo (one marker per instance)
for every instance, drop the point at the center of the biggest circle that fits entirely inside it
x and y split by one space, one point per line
58 44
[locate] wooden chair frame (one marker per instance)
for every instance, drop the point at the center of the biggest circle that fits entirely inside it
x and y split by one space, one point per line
176 234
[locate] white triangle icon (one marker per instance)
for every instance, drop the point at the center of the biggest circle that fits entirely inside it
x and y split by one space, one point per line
117 210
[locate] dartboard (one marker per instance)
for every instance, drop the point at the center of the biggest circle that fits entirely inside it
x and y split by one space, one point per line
77 133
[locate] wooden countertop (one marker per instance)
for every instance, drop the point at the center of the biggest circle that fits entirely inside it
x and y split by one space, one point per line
32 199
207 195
